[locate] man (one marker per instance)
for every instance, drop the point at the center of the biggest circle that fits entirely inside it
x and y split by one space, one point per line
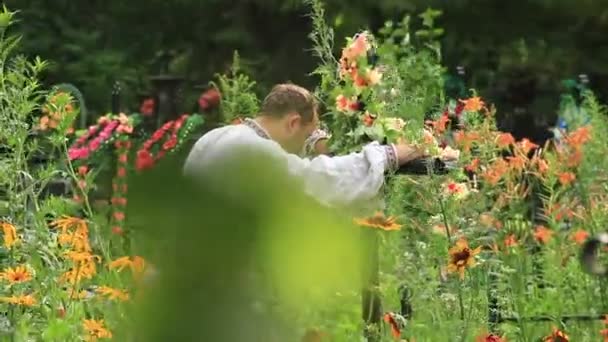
286 125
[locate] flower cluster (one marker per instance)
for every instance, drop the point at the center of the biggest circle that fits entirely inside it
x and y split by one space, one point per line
15 275
148 106
58 110
119 183
165 140
74 236
209 99
97 135
354 62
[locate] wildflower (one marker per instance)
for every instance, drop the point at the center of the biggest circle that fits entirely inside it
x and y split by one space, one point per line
82 256
67 222
389 318
517 163
473 165
473 104
121 172
82 270
543 234
137 265
510 241
378 221
24 300
461 257
368 119
19 274
120 263
209 99
10 234
440 125
578 137
580 236
123 158
147 107
496 171
373 76
458 190
82 170
343 104
604 332
505 140
525 146
557 336
119 216
96 329
466 139
44 123
542 165
113 294
565 178
486 337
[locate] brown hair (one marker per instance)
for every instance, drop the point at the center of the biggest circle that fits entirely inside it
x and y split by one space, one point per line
288 98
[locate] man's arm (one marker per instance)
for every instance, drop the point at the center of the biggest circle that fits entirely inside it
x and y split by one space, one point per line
357 177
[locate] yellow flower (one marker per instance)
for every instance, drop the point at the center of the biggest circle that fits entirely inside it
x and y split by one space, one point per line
379 221
461 257
473 104
82 270
113 294
120 263
95 329
10 234
79 240
81 256
67 222
25 300
19 274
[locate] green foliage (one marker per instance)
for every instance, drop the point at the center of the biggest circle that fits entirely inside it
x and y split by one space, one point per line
237 91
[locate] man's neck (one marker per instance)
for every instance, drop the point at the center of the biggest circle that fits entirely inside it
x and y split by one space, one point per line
268 125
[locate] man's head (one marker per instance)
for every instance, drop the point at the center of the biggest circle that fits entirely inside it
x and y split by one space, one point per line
289 113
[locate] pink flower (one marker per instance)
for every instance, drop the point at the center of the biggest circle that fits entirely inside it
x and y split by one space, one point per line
94 144
147 107
158 135
82 184
122 158
209 99
82 170
119 216
144 160
78 153
121 172
169 144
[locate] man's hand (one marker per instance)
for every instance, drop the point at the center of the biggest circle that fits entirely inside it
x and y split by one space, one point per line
407 152
321 147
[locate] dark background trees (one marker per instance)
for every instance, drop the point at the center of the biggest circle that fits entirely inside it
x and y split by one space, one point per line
514 52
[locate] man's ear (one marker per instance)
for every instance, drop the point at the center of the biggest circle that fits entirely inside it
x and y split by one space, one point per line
293 121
